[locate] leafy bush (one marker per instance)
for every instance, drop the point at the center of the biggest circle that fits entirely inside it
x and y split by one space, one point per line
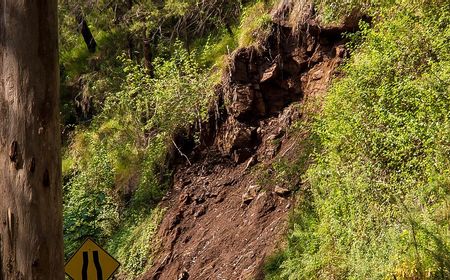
115 170
179 87
134 244
89 209
380 187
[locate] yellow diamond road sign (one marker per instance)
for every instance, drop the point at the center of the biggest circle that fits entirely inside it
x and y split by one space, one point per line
91 262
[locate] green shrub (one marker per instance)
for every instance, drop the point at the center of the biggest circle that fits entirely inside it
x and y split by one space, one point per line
134 244
123 152
89 209
379 189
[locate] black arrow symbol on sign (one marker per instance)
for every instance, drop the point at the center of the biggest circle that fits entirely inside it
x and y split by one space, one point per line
98 267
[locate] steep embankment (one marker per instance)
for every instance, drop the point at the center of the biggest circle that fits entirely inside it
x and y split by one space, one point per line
224 216
377 202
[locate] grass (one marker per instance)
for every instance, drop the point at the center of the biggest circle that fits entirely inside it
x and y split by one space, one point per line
255 25
135 243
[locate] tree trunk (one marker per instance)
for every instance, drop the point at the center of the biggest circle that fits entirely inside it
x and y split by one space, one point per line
31 241
85 31
148 58
130 46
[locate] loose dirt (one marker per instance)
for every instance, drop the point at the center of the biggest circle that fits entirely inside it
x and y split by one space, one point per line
223 219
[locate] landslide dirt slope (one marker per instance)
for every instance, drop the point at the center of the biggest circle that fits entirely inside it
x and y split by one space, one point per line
222 220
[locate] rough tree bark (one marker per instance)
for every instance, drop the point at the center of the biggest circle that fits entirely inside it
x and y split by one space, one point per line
31 243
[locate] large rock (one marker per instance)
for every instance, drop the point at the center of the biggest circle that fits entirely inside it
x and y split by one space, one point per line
239 100
241 69
281 191
236 139
250 194
245 102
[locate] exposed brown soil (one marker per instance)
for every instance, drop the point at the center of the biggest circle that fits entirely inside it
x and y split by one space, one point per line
209 232
222 221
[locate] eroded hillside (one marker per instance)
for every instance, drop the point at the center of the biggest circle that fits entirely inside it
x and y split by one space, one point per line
226 212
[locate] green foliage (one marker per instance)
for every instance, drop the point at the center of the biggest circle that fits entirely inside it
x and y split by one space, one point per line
88 209
179 87
332 10
123 153
217 48
380 188
134 244
255 25
180 18
273 263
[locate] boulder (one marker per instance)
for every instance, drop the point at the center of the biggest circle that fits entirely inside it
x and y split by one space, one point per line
250 194
236 139
240 99
184 275
281 191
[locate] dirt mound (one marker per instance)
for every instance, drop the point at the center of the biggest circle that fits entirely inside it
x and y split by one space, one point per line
212 231
221 223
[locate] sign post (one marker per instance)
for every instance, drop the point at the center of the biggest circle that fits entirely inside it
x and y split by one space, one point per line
91 262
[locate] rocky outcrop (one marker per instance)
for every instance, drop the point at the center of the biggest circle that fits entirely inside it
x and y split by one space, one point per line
261 82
